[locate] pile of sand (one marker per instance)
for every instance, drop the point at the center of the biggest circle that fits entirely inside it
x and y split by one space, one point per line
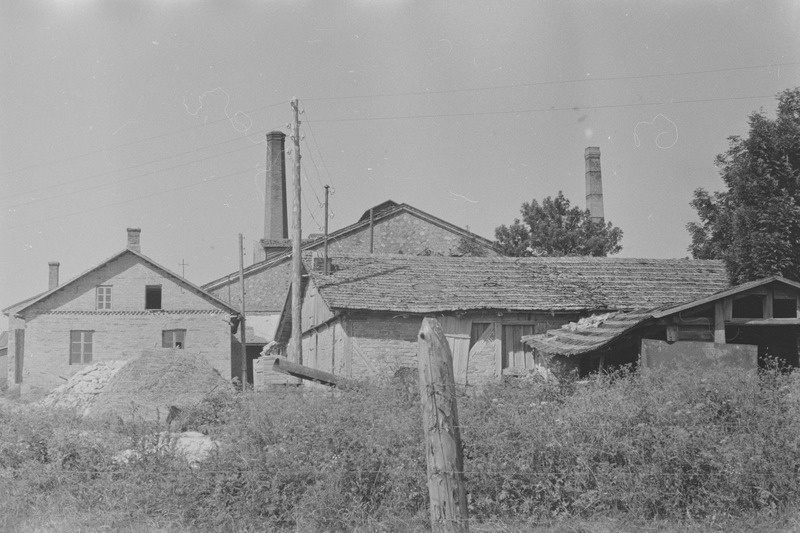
143 388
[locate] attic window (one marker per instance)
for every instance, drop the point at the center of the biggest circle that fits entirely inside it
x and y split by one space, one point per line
152 297
750 306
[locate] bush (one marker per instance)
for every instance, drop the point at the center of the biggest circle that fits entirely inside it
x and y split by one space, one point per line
653 444
656 444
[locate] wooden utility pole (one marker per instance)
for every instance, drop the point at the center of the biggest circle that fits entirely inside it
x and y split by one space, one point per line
325 253
243 374
448 495
297 332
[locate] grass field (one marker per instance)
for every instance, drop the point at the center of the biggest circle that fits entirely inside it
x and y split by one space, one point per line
680 451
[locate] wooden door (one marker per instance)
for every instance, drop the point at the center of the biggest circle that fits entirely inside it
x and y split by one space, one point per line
516 354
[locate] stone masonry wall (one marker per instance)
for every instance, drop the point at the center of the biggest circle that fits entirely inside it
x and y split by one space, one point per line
117 335
121 332
266 289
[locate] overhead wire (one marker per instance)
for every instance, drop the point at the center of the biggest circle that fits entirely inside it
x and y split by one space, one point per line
555 82
131 143
549 109
129 200
103 185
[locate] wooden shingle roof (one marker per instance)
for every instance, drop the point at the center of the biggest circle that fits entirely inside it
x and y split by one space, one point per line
588 334
427 284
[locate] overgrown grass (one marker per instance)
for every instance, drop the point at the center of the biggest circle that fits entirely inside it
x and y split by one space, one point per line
682 450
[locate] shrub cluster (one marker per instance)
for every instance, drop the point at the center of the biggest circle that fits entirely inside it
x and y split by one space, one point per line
655 444
652 444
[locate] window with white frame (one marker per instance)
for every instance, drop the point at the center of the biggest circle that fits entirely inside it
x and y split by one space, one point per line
103 297
173 338
80 347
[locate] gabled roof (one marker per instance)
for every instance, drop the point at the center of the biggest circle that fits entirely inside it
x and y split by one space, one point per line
25 304
744 287
597 333
382 211
414 284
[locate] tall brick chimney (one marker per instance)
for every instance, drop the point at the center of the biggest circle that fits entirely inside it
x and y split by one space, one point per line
52 281
276 227
134 235
594 184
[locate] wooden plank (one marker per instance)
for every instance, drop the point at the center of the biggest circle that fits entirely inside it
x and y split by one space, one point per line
673 333
19 354
285 366
719 323
727 308
498 349
764 322
443 451
768 305
347 345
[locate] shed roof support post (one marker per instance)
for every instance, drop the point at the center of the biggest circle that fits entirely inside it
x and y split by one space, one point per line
719 323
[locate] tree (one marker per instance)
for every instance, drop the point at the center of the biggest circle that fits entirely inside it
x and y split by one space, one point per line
754 225
555 229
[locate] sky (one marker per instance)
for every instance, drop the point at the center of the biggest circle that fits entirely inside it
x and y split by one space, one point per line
153 114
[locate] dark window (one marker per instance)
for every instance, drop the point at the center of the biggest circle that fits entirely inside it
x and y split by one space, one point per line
173 338
750 306
784 307
104 297
80 347
152 297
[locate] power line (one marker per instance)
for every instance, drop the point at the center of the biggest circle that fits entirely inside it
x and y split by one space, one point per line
314 163
205 180
321 158
130 178
48 187
555 82
548 109
124 145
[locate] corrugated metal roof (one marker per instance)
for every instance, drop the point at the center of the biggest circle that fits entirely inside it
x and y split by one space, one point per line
433 283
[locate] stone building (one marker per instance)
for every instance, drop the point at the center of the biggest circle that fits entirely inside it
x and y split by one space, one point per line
362 319
115 310
388 228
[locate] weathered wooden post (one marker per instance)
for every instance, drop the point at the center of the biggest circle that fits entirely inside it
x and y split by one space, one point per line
448 496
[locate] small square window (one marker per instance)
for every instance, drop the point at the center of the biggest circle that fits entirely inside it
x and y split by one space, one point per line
152 297
104 297
80 347
173 338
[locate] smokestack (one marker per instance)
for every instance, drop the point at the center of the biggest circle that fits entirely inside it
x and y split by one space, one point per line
594 184
275 215
52 281
134 236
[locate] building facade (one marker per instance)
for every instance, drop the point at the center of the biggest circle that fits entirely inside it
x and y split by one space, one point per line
115 310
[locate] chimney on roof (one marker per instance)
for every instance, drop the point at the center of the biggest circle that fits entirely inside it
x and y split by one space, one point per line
594 184
52 281
134 235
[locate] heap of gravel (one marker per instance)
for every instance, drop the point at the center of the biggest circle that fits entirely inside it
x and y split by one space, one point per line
143 388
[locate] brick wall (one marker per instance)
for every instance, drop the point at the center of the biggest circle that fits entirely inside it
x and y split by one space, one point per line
127 276
365 345
403 232
119 333
116 335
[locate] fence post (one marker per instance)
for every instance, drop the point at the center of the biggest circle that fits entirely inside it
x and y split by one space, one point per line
448 496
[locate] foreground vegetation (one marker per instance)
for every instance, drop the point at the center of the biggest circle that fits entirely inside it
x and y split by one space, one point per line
675 451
